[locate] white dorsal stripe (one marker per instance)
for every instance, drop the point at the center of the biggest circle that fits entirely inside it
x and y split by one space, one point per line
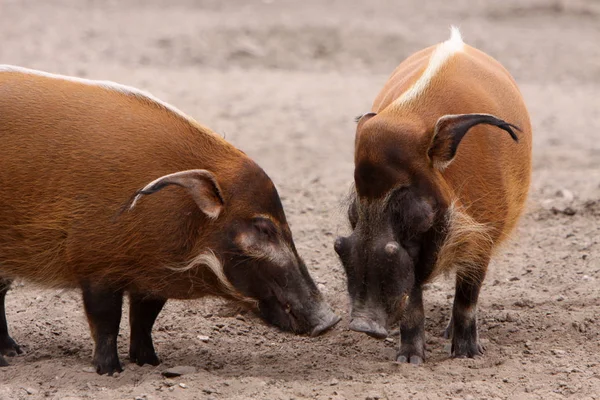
440 55
108 85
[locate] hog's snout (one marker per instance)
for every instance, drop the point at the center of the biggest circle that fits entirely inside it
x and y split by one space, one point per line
368 326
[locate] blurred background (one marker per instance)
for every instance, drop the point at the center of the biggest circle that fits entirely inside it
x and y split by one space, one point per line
283 81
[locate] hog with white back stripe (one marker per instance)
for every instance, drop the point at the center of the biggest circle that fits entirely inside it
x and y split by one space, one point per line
108 189
442 171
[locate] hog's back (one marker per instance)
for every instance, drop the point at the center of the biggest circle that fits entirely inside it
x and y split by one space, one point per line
72 154
490 174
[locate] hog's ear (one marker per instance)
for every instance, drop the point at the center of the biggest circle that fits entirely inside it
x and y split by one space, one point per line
200 183
360 121
450 130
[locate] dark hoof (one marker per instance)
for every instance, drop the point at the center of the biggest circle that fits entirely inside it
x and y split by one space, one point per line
108 367
467 349
9 347
410 354
144 356
415 360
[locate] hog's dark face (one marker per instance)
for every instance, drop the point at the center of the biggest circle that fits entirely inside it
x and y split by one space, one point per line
381 254
245 248
261 262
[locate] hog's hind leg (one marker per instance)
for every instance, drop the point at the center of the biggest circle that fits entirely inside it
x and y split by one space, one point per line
412 330
103 310
8 347
465 337
142 315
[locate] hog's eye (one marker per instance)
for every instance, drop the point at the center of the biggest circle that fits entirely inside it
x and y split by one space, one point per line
265 228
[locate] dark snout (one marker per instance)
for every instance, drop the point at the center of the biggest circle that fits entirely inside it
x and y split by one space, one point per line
296 304
380 277
368 326
324 319
310 316
370 322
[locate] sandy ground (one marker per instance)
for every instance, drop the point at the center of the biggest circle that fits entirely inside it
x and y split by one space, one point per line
283 81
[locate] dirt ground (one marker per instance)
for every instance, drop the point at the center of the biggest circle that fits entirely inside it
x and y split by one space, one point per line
283 80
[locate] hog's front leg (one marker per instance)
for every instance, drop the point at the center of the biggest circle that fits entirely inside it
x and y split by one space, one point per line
463 329
412 330
143 311
103 310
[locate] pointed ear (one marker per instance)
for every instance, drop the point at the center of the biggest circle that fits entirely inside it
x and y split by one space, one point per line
450 130
200 183
361 119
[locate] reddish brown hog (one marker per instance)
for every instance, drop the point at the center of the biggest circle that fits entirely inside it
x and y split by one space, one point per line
110 190
428 198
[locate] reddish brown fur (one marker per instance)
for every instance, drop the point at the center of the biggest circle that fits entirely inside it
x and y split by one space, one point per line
489 178
63 138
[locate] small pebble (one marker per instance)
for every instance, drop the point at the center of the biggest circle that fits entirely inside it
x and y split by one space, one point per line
565 194
183 386
557 352
203 338
89 369
30 390
511 317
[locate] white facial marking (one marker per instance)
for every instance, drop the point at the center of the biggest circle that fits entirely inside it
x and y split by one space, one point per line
209 259
439 57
